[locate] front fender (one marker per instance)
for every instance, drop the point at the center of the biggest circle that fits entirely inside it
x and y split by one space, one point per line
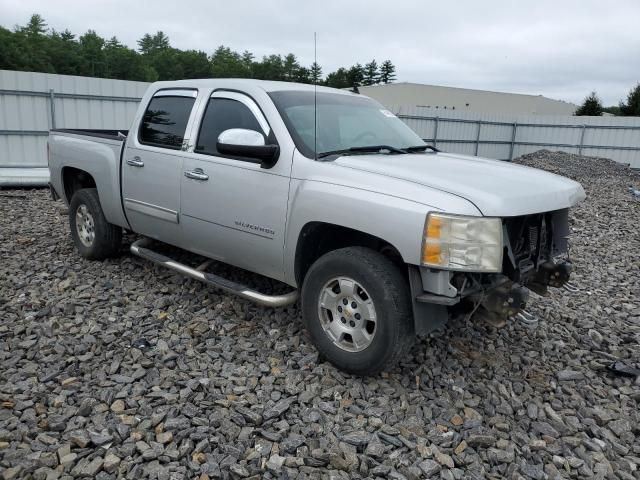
395 220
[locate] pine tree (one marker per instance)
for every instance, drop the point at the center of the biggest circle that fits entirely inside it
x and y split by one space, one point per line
591 106
632 107
338 79
387 72
150 44
371 73
36 26
355 75
291 67
316 72
36 48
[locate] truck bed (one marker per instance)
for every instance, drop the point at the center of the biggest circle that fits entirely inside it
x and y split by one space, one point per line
97 152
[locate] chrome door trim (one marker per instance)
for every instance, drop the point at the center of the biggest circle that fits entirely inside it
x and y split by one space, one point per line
196 174
177 92
151 210
249 103
135 162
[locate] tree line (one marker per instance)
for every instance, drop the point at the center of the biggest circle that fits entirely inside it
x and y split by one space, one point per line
629 107
35 48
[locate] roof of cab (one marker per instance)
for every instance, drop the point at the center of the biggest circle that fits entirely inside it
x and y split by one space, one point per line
266 85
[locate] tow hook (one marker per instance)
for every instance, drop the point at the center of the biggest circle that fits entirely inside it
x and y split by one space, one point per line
502 303
528 318
550 275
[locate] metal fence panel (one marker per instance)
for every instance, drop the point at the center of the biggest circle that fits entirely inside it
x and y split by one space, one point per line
32 103
506 137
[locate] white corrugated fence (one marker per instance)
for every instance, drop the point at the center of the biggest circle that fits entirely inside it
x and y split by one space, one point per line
506 137
32 103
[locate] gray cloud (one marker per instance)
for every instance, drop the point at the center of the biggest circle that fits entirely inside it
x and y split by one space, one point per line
561 49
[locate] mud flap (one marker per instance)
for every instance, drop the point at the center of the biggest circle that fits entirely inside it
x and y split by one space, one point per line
427 317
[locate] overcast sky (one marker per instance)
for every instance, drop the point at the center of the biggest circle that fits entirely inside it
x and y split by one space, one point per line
559 48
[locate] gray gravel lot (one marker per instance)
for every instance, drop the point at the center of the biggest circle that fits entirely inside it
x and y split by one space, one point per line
122 369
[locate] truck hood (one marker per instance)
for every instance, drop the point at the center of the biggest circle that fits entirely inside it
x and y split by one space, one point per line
497 188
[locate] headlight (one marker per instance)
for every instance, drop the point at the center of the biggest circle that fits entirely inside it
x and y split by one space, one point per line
470 244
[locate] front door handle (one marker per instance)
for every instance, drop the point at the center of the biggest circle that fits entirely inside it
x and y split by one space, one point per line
135 162
197 174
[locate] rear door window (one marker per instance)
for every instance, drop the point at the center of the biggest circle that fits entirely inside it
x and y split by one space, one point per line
165 121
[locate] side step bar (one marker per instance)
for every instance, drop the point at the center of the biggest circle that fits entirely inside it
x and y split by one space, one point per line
139 248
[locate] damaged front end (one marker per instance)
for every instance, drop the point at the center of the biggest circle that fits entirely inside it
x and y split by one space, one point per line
535 257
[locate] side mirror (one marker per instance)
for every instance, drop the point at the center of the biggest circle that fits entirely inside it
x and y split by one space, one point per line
240 142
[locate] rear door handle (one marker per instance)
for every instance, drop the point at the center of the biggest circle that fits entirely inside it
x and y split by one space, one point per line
197 174
135 162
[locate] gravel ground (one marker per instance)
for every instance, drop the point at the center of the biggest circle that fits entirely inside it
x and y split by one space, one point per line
121 369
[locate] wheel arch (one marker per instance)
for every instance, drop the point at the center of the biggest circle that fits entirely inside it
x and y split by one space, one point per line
317 238
74 179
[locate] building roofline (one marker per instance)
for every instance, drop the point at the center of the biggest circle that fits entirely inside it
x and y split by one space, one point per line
463 88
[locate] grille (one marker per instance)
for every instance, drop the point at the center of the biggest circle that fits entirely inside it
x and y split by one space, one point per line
533 237
528 232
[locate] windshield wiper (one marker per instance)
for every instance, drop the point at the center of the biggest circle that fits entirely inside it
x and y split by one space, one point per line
420 148
366 149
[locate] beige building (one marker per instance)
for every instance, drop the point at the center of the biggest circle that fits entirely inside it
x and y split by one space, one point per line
409 96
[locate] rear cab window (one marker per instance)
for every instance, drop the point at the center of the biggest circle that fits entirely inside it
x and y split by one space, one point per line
165 120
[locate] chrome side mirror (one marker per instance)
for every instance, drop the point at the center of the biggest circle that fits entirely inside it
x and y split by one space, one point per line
247 144
241 136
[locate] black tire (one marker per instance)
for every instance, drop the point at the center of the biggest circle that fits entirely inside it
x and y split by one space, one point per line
387 288
107 238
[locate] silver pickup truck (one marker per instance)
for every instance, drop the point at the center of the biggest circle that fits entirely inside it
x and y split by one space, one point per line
380 235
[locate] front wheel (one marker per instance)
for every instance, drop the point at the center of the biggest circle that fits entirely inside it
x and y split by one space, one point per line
93 236
357 310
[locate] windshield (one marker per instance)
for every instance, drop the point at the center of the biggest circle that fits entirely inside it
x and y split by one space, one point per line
343 122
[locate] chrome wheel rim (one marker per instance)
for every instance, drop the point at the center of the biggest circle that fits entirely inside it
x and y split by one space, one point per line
347 314
85 225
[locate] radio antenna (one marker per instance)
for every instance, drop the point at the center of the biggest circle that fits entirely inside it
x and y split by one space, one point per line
315 95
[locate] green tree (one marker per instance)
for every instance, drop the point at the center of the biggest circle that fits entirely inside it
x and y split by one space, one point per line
371 73
126 64
64 52
247 62
34 47
92 48
270 68
338 79
291 68
195 63
316 73
33 42
613 109
631 108
150 44
591 106
36 26
387 72
166 63
12 50
303 76
225 63
356 75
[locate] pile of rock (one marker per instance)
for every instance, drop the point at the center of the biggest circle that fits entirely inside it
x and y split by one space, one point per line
120 368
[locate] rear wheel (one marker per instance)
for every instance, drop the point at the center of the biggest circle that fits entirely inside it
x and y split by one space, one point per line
93 236
357 310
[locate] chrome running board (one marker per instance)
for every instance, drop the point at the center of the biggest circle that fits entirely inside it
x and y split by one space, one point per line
139 248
